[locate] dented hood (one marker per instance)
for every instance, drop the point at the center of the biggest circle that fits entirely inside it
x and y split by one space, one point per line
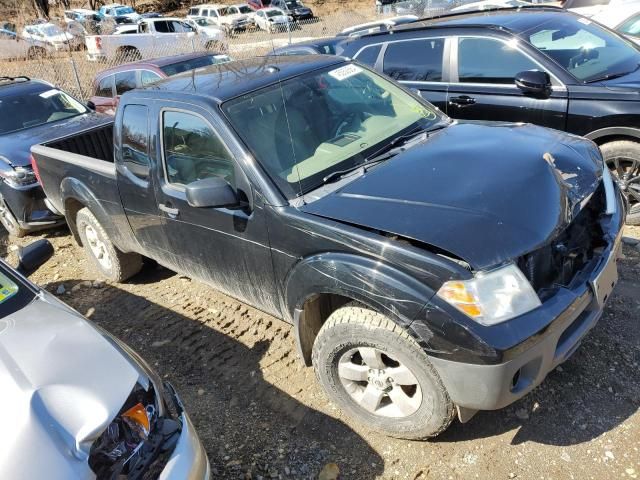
484 192
62 382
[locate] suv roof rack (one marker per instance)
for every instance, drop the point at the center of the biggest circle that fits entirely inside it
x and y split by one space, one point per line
420 23
22 78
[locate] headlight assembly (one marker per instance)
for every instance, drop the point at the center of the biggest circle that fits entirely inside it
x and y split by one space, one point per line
492 297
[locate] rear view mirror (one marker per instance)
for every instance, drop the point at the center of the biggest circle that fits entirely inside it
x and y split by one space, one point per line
534 82
33 256
211 192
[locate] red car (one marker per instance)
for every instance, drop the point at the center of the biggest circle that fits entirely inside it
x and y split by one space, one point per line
113 82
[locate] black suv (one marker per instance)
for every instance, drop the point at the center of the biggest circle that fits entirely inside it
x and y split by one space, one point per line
540 65
31 111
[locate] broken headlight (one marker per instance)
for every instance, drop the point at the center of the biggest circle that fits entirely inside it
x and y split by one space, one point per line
136 439
492 297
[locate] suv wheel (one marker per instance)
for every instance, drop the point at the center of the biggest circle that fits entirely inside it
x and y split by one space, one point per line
105 257
9 222
623 159
375 371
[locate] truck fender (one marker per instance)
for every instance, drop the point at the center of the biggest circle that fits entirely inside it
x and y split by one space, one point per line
321 283
614 132
75 196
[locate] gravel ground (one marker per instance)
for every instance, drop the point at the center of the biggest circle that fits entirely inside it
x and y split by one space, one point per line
261 414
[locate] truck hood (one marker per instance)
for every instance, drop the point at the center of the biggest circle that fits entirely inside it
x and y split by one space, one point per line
486 193
62 382
16 146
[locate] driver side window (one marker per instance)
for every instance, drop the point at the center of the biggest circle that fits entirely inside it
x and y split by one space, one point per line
192 150
506 61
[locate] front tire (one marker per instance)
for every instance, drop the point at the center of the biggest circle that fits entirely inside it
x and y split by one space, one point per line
623 159
106 259
377 373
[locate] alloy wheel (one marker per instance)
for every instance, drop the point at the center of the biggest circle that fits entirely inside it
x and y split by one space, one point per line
98 247
626 172
379 383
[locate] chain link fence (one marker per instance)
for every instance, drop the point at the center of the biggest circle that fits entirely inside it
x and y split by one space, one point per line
72 70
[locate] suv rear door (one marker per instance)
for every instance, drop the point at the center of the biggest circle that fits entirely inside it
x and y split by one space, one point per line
482 84
417 63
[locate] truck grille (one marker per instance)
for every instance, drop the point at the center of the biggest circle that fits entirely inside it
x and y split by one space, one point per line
570 252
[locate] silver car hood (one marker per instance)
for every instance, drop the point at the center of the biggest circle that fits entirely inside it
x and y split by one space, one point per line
61 383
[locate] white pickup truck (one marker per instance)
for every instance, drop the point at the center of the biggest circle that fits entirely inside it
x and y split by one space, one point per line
154 37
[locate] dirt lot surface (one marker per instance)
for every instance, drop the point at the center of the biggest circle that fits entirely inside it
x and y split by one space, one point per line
261 414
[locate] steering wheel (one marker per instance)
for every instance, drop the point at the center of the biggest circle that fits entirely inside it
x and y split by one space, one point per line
583 57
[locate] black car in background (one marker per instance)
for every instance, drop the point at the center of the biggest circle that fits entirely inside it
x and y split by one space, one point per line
31 111
541 65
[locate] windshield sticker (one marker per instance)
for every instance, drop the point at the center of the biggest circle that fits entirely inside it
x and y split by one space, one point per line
49 93
345 72
7 288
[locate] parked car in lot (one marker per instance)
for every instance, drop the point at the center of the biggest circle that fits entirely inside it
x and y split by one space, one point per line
50 38
589 8
294 8
273 20
207 27
549 67
325 194
12 46
153 37
324 46
118 10
625 21
31 111
79 399
113 82
230 20
243 9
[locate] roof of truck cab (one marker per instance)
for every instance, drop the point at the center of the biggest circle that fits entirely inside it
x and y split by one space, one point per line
232 79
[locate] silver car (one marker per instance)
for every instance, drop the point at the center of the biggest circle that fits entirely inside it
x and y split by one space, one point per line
75 401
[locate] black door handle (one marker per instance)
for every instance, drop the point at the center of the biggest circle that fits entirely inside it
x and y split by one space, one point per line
172 212
462 101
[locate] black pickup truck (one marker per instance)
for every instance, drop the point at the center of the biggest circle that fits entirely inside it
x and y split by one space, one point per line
430 267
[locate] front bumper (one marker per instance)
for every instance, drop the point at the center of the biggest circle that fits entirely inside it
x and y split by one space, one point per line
28 206
572 314
189 460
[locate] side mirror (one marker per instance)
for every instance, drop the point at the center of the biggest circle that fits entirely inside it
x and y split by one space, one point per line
91 105
211 192
33 256
534 82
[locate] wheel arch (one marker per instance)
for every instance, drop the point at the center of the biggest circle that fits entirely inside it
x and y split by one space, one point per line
612 134
319 285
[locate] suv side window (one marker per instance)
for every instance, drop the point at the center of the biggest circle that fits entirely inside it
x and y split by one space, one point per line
105 87
369 55
192 150
506 61
415 60
135 140
125 81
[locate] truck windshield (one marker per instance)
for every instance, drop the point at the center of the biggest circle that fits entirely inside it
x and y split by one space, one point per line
307 127
588 51
124 10
36 107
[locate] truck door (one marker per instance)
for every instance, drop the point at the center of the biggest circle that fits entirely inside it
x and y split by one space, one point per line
133 151
225 247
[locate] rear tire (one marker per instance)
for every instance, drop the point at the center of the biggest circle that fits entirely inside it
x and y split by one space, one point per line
377 373
623 159
130 54
106 259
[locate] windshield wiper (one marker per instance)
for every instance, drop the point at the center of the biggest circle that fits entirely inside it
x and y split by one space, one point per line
384 153
611 76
